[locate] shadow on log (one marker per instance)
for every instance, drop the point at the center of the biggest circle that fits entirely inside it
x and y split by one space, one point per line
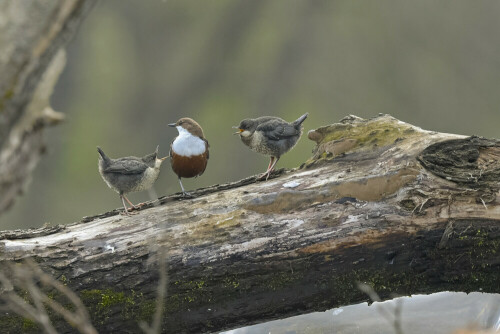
381 201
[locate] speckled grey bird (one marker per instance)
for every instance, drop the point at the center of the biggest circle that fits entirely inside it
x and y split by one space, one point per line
270 136
129 174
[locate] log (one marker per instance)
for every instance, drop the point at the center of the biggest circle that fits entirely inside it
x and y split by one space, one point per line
380 201
33 34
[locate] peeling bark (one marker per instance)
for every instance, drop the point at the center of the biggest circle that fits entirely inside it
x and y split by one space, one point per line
33 34
380 201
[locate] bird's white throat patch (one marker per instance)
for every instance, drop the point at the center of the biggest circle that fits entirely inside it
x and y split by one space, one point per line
245 133
186 144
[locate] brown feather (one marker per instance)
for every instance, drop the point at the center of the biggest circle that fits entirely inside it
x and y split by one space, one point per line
190 166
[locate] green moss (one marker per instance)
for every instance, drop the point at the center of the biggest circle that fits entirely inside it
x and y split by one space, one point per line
9 94
29 325
188 292
408 204
473 251
64 280
231 282
103 303
17 324
366 134
378 132
282 280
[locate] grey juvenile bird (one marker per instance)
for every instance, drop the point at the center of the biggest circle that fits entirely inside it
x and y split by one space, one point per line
129 174
270 136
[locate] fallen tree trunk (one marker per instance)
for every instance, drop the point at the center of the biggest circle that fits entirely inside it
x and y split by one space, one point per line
33 34
383 202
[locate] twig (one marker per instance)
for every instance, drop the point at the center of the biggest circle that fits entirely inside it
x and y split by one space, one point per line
26 277
482 201
19 305
394 320
155 327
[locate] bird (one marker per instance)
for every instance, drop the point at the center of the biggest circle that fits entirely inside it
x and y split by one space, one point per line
129 174
189 150
270 136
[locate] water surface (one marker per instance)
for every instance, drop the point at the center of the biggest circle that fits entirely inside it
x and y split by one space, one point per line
437 313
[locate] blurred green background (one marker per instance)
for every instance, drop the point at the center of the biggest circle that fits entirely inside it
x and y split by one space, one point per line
135 66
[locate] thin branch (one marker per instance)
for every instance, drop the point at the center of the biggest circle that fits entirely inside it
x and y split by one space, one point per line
155 327
26 277
393 317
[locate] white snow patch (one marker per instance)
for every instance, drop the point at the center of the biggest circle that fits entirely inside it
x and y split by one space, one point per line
352 219
291 184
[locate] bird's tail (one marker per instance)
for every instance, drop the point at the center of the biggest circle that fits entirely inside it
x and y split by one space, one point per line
103 156
301 119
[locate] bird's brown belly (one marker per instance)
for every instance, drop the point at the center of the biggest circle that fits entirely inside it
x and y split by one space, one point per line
188 166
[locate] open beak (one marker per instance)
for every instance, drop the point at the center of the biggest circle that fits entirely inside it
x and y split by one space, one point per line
172 125
239 130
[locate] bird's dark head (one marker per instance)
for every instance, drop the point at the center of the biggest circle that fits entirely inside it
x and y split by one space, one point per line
152 159
190 125
246 128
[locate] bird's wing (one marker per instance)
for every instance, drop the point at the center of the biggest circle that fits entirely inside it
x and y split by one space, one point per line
277 129
126 166
206 147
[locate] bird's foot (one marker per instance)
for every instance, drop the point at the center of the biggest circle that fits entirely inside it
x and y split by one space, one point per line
264 175
129 212
186 195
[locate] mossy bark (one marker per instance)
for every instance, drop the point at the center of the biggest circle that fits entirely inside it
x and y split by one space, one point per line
373 211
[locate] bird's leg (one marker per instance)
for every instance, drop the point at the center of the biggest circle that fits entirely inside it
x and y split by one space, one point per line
184 193
270 168
274 164
126 212
270 163
124 206
132 204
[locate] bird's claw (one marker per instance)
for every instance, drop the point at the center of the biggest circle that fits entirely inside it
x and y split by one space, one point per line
186 195
128 213
264 175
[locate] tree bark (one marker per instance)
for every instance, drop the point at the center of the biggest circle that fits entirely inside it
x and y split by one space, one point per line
33 34
381 201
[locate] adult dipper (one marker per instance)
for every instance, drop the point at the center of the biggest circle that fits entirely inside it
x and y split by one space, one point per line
189 150
270 136
128 174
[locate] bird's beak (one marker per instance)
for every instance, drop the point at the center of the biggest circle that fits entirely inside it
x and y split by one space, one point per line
172 125
164 158
239 130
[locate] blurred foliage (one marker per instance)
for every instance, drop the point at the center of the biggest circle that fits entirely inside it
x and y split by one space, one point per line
137 65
